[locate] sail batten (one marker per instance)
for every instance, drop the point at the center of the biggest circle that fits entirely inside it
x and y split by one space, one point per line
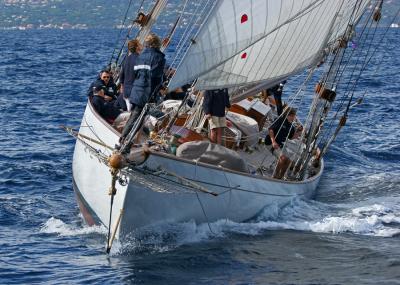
245 41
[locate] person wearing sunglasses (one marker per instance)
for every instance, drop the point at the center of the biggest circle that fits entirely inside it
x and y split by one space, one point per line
104 95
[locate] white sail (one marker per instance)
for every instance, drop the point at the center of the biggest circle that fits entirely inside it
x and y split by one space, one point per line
248 41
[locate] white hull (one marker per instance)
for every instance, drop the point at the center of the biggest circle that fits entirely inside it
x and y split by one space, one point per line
241 197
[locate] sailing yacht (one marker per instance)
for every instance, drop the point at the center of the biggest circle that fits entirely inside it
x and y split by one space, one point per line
246 46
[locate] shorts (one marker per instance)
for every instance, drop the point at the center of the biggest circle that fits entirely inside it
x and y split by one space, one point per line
217 122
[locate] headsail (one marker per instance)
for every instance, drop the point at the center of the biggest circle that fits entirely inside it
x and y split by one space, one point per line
245 42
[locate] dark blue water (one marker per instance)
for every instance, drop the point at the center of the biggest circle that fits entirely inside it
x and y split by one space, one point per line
349 235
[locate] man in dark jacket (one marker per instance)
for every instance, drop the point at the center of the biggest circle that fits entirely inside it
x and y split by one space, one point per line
149 71
214 104
127 75
278 133
104 95
276 91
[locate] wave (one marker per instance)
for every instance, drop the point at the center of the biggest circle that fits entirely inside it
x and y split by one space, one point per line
57 226
361 187
378 219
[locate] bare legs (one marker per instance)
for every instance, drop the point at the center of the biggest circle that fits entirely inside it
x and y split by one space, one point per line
216 135
281 167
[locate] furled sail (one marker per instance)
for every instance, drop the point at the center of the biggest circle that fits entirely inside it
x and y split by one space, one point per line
245 42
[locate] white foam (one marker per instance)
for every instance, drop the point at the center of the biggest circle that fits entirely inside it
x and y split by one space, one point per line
343 224
370 219
375 208
57 226
364 219
379 218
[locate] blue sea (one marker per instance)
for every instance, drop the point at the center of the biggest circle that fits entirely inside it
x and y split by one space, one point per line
350 233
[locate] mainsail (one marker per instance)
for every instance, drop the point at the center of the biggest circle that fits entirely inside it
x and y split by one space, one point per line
245 42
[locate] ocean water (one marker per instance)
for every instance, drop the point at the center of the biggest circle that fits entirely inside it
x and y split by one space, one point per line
350 233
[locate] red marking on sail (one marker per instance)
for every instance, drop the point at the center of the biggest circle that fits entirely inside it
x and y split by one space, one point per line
243 19
244 55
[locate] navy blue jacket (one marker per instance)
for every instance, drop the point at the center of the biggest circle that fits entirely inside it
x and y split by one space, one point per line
149 70
127 75
282 129
215 102
90 90
110 89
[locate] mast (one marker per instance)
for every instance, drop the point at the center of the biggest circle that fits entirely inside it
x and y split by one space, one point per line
326 91
146 22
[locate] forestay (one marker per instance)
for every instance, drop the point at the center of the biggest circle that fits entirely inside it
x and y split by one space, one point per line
245 42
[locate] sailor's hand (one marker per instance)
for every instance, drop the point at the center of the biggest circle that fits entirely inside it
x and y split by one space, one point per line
108 98
298 132
163 91
100 93
275 145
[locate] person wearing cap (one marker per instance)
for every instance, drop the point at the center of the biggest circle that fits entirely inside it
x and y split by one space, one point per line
149 70
104 94
281 130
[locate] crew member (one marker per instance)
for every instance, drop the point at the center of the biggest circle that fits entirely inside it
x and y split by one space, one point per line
149 71
214 104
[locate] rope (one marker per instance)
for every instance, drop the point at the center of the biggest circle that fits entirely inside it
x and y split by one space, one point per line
100 155
120 31
112 192
204 213
169 36
201 204
325 77
365 64
185 37
316 120
127 37
325 137
230 196
349 26
190 24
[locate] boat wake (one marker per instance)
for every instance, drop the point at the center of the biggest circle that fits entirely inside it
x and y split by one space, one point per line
371 218
368 218
379 217
57 226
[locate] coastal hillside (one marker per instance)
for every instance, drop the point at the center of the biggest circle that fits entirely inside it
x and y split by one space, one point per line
69 14
77 14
